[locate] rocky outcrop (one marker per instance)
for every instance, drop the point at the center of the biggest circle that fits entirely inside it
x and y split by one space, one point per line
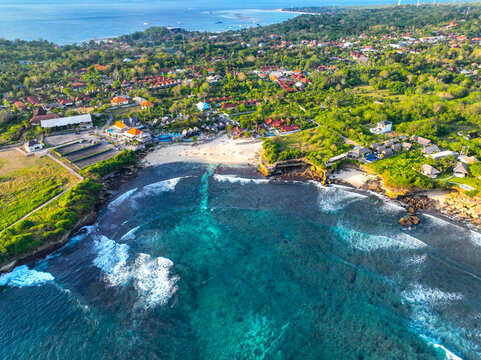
464 207
418 202
409 221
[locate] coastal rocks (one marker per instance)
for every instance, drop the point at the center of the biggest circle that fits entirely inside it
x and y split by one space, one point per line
419 202
409 221
463 207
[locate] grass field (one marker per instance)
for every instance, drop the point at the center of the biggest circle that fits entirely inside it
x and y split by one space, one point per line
28 182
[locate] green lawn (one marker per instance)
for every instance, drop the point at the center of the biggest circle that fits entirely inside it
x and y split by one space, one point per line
27 182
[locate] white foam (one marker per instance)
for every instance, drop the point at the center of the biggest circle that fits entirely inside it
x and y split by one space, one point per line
475 238
153 280
415 260
121 198
112 260
22 276
449 355
237 179
150 276
130 234
335 198
439 221
369 242
419 294
158 187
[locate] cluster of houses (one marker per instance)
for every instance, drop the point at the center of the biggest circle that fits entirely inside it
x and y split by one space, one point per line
126 131
280 125
289 80
396 144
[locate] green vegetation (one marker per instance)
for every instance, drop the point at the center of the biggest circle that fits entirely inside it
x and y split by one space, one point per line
28 182
62 215
119 161
399 171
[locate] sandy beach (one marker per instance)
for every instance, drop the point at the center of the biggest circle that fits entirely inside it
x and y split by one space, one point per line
353 176
221 150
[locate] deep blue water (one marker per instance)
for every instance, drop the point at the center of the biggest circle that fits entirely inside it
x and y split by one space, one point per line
199 262
65 22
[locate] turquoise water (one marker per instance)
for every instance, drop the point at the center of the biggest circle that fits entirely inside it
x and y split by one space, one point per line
66 22
201 262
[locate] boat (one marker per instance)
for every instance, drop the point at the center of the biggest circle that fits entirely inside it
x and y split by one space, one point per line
219 22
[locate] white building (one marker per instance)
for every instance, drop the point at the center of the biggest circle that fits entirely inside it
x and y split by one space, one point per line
33 145
382 127
84 121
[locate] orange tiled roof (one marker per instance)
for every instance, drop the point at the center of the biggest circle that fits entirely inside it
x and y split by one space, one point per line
118 100
134 132
119 124
146 103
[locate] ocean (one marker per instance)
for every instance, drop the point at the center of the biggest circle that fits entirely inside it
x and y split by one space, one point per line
204 262
67 22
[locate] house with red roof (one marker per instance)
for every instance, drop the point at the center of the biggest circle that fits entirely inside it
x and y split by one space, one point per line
19 105
116 101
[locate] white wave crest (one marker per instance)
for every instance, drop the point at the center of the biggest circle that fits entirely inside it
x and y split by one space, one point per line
22 276
129 235
448 354
151 277
419 294
112 260
335 198
415 260
475 238
153 280
158 187
240 180
121 198
368 242
439 221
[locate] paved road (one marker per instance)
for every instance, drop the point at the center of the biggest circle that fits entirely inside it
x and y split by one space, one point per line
107 124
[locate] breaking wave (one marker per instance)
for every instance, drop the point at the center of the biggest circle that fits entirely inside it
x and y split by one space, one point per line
424 301
22 276
335 198
368 242
112 260
240 180
121 198
475 238
151 277
129 235
157 187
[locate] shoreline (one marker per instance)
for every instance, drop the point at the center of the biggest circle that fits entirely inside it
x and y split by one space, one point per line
221 150
432 201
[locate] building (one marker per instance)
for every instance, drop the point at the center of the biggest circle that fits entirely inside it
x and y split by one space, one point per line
359 152
382 127
429 171
420 140
146 104
33 145
84 121
136 134
203 106
460 170
467 159
117 101
428 150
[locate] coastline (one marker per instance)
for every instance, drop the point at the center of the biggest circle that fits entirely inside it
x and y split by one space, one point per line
433 202
221 150
109 184
225 151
